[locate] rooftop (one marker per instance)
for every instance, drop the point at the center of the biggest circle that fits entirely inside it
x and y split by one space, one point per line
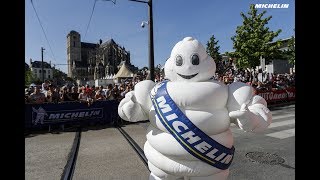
38 64
88 45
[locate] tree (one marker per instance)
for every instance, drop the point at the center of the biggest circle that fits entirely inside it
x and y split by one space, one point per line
58 76
291 53
213 51
29 77
253 40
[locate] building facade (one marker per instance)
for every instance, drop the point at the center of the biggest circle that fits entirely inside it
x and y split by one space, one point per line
36 69
280 66
90 61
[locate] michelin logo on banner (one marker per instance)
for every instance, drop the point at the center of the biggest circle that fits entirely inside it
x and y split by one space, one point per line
42 116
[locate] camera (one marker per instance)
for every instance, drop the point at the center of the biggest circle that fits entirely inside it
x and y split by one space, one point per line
142 25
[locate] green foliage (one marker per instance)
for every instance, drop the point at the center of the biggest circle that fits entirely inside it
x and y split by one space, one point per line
291 53
37 81
213 49
58 74
252 40
69 80
59 77
29 78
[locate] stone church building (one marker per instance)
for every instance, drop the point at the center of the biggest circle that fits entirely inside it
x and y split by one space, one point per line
90 61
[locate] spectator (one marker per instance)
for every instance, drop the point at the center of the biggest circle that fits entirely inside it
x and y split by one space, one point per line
123 93
74 94
260 86
103 93
65 96
116 92
84 96
45 85
53 95
99 96
110 93
30 90
37 97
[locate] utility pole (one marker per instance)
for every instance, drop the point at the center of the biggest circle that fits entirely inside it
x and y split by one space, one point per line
42 64
151 50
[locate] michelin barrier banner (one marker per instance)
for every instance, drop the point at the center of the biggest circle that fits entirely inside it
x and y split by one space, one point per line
37 115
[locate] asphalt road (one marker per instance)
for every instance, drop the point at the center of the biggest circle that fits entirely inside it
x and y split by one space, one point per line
46 155
267 156
105 154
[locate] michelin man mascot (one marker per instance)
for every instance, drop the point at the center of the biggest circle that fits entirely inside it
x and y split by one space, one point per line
189 135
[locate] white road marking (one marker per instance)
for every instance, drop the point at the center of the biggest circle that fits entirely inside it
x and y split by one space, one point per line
281 123
277 121
282 134
275 117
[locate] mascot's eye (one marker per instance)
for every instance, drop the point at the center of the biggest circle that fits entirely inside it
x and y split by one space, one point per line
179 60
195 59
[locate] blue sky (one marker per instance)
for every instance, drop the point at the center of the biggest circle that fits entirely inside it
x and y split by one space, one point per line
173 20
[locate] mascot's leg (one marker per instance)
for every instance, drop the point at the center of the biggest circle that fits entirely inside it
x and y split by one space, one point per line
158 174
223 175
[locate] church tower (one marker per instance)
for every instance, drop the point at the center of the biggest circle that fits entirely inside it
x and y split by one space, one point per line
73 51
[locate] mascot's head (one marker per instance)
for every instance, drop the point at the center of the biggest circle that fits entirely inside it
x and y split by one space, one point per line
190 62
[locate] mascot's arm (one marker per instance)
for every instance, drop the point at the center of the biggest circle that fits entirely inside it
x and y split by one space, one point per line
247 110
136 104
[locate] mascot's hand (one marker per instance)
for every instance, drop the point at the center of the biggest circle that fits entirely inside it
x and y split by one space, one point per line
243 117
130 110
255 118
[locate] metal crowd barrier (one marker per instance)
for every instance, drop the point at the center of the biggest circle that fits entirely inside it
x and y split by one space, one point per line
104 112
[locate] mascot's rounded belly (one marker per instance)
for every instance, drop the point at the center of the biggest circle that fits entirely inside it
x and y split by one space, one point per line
204 103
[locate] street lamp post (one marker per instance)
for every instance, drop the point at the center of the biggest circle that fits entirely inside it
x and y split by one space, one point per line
151 48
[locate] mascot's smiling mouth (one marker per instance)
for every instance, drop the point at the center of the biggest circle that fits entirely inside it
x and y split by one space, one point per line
187 77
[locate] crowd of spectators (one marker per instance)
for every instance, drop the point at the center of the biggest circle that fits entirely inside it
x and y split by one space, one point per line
262 81
50 93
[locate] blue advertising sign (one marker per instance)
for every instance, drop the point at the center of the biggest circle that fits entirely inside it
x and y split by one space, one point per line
52 113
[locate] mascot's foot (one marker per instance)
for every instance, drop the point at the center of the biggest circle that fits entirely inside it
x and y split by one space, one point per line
219 176
158 174
167 177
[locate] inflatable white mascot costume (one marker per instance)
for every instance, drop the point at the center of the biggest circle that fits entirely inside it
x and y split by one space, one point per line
190 115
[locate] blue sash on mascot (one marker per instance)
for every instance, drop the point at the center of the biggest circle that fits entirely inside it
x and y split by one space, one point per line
189 136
